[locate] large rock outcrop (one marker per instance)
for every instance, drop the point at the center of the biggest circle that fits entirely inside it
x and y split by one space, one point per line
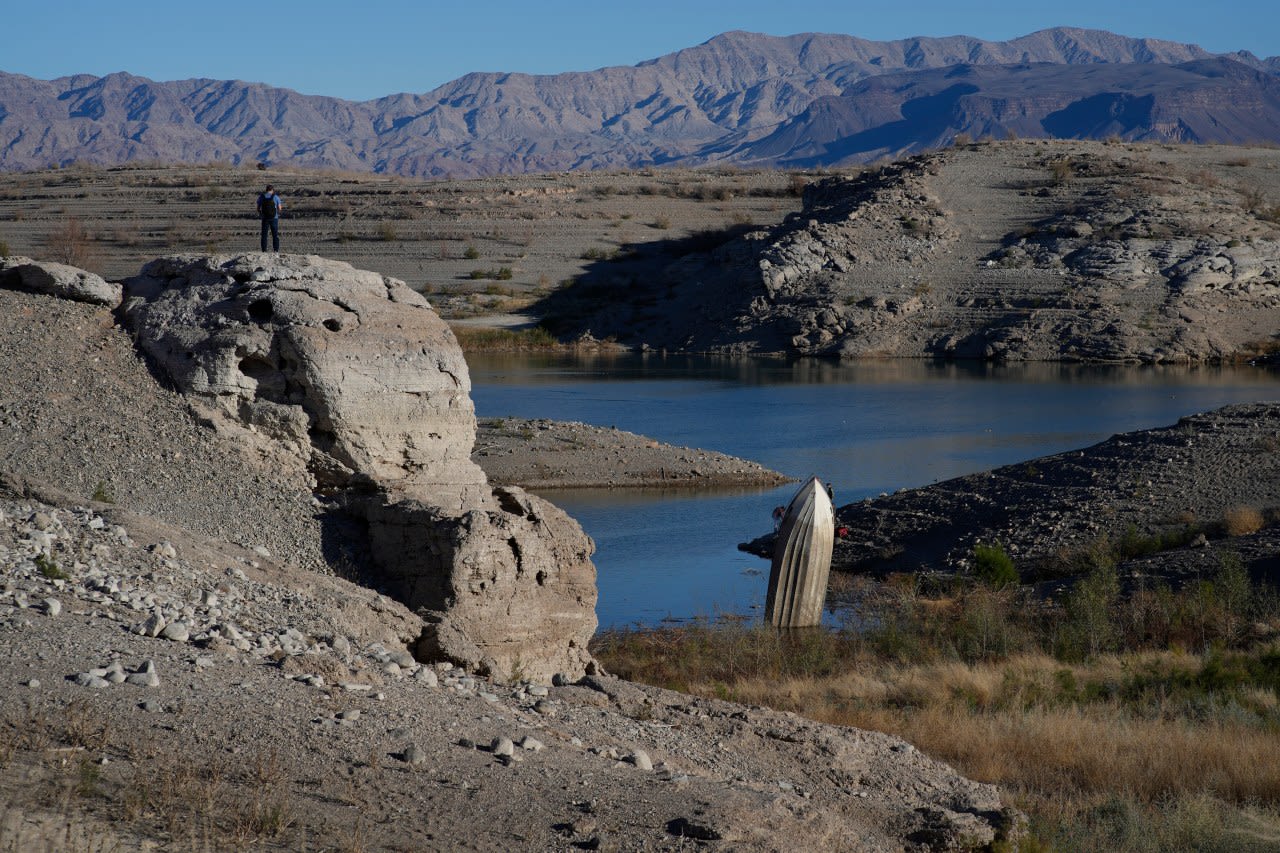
354 371
56 279
1001 251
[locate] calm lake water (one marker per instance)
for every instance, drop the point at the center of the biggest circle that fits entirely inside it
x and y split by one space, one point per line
866 428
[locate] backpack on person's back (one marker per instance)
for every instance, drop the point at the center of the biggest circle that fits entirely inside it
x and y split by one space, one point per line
268 206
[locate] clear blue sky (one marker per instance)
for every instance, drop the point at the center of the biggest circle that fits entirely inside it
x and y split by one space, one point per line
361 50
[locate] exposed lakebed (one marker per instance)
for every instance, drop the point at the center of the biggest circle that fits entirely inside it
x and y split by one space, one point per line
868 428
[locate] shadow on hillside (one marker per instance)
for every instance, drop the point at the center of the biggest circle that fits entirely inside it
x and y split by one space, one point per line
618 294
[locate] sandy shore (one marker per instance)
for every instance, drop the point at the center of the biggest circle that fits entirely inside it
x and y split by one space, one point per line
544 454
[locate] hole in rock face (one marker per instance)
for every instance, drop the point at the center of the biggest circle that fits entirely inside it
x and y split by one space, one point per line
260 310
541 578
270 382
256 366
333 325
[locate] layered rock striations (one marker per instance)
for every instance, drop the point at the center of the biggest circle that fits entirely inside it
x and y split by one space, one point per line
1018 250
354 372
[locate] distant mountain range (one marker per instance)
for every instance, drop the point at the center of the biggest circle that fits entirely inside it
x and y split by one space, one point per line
743 98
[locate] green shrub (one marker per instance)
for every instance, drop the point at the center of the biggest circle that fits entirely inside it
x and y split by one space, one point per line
49 568
471 253
500 274
1090 626
993 566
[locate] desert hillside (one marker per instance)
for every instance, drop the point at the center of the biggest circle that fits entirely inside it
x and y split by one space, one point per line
1020 250
1077 251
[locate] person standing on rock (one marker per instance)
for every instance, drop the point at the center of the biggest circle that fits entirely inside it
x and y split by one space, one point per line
269 207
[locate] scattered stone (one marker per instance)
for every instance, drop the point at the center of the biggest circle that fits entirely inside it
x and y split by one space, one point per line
641 760
502 746
146 676
532 744
151 626
52 606
179 632
412 754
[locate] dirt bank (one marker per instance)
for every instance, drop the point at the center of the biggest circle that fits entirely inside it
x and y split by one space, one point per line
543 454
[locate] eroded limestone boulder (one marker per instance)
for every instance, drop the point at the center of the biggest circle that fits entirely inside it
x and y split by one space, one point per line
503 589
354 372
350 366
60 280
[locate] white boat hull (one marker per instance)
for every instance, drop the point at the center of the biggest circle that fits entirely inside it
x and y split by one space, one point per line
802 559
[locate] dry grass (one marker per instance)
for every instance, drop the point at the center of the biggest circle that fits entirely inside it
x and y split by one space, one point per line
1144 749
1011 724
69 242
54 791
1242 520
486 339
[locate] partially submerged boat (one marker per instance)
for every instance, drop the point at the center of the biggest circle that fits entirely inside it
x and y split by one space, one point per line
802 559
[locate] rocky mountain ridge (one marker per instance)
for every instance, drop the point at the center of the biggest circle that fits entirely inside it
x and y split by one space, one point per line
716 102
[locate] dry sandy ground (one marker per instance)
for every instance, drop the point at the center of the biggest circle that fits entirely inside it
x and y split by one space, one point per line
434 235
544 454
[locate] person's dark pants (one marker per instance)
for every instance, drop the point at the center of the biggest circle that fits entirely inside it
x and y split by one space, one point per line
274 226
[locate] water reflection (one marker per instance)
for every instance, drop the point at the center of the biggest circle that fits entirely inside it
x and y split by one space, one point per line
869 427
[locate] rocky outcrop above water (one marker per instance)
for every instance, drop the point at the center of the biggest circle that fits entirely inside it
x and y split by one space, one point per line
57 279
1047 251
354 373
